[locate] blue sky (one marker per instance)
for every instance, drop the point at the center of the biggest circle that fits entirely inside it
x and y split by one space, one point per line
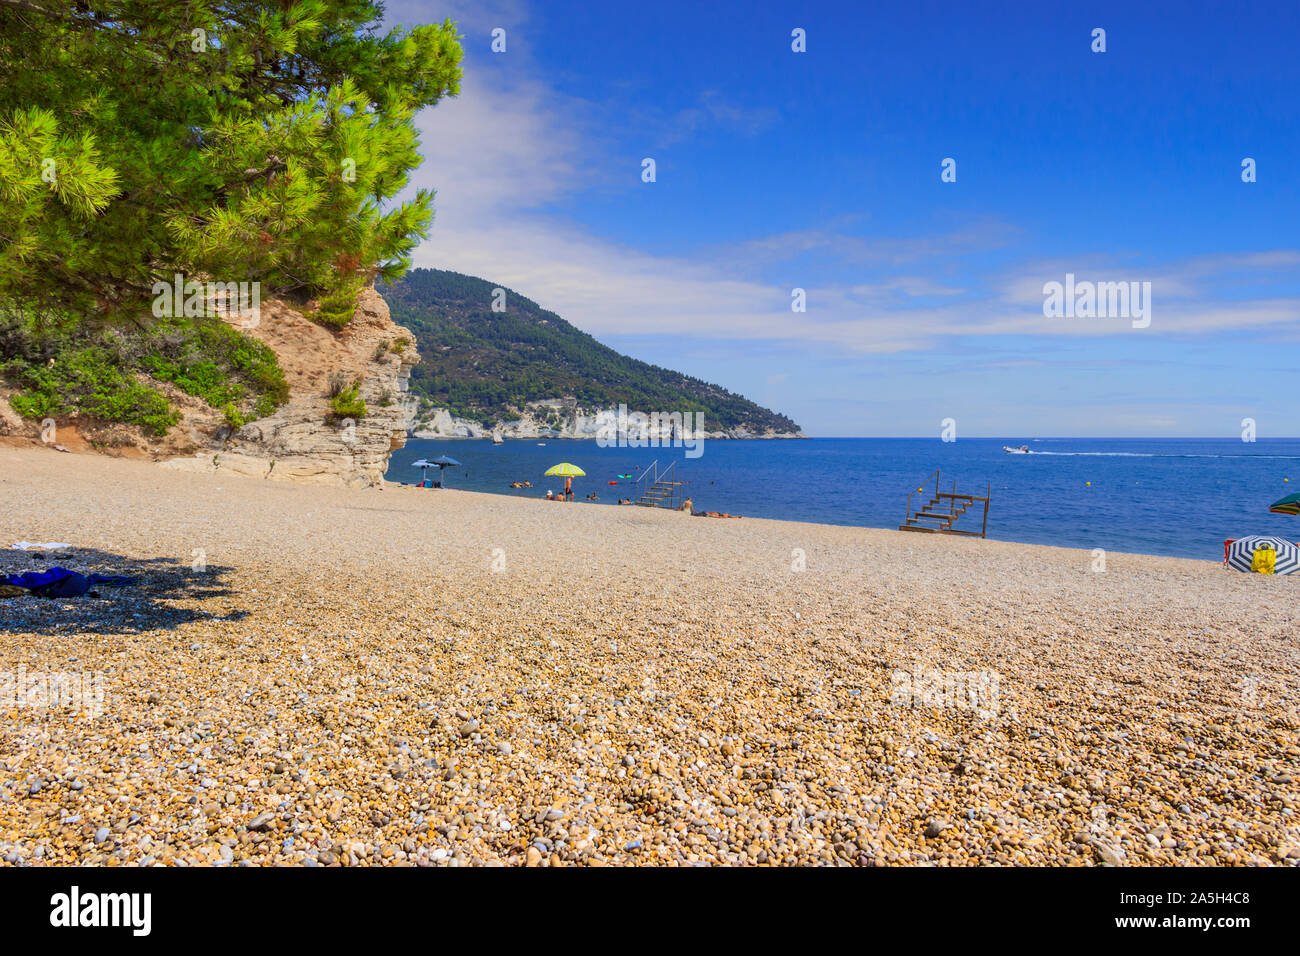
821 170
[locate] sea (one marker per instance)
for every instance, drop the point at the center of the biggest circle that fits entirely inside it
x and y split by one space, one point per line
1173 497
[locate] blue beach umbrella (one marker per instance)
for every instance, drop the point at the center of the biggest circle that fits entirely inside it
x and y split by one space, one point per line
440 463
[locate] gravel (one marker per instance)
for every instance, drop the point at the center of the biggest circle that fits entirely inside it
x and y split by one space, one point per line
318 675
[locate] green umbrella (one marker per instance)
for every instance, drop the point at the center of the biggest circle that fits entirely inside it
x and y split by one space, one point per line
1290 505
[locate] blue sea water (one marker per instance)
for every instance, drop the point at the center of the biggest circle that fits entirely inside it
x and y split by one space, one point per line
1176 497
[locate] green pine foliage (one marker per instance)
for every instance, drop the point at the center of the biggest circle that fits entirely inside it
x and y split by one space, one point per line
487 365
241 140
259 141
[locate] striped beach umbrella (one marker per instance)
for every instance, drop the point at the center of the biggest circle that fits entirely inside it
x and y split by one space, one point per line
1290 505
1242 551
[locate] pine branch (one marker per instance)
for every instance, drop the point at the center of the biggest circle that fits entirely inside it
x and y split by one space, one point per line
33 8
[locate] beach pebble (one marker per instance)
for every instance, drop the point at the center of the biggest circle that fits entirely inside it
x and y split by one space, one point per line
349 685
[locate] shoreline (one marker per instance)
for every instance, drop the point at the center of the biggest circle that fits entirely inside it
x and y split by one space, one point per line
1107 499
378 677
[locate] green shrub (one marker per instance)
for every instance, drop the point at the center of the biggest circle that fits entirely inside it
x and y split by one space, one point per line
63 367
203 379
86 381
337 310
134 404
348 403
34 405
210 360
234 420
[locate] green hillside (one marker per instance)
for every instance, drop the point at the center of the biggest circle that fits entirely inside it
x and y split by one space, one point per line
487 365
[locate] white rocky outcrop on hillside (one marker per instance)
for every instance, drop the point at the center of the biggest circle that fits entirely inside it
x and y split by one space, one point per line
563 418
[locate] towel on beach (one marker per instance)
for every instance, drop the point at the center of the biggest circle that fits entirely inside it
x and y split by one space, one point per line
60 582
1264 560
39 545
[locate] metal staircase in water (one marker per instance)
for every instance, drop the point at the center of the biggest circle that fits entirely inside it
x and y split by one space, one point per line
659 488
941 511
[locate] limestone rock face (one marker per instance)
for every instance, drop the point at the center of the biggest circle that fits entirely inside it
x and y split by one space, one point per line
11 422
560 418
439 423
301 441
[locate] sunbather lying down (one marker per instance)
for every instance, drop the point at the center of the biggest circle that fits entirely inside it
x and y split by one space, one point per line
713 514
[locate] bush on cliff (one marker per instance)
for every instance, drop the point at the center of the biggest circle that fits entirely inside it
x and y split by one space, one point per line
63 367
348 403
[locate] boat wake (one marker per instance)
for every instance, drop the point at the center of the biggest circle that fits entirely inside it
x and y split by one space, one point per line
1144 454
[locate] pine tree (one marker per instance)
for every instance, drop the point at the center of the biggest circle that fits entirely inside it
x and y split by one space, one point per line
241 141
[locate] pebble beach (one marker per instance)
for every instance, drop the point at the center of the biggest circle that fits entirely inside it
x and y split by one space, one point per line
310 675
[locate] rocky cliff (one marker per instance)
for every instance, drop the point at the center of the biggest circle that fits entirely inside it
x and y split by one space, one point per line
302 441
559 418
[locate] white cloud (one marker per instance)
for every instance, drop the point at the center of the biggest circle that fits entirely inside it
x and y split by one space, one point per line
507 154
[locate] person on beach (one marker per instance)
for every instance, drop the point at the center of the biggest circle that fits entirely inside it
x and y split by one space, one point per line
687 505
568 488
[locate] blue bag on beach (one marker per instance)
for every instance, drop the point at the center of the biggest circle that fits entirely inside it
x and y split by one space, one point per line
60 582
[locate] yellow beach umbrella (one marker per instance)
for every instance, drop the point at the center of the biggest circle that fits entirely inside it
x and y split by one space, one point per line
565 470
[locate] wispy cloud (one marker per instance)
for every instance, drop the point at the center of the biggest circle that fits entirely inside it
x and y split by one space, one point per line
510 152
712 112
